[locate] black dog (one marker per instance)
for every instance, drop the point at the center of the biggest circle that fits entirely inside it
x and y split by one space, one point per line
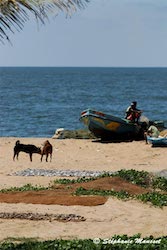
27 148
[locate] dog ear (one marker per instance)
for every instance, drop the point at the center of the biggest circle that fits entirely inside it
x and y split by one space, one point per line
17 142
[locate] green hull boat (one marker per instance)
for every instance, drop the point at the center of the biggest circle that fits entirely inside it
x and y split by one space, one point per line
109 127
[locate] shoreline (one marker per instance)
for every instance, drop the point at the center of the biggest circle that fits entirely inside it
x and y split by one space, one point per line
77 155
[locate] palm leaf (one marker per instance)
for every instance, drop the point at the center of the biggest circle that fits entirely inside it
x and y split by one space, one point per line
14 13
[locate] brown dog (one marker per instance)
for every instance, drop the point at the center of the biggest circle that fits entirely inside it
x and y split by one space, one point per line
46 150
27 148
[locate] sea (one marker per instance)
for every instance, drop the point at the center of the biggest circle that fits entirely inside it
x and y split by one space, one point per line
35 101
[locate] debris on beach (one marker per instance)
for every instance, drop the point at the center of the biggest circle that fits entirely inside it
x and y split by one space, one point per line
56 172
37 216
162 173
61 133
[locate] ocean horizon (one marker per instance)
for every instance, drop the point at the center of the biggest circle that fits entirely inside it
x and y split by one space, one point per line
35 101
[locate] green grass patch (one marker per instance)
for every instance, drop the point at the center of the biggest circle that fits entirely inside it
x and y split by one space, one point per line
155 198
121 194
27 187
117 242
141 178
159 183
73 181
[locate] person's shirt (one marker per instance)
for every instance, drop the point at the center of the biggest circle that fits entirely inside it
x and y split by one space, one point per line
132 114
153 131
129 110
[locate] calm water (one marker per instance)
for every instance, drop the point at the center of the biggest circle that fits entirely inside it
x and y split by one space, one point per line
37 101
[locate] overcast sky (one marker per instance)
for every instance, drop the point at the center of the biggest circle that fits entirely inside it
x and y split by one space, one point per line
110 33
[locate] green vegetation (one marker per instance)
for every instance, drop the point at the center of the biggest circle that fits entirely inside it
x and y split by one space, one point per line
14 13
141 178
78 180
117 242
121 195
158 185
155 198
27 187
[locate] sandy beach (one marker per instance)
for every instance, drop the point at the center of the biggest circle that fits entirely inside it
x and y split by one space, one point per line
103 221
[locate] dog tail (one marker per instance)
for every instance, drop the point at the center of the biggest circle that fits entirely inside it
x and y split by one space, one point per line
17 142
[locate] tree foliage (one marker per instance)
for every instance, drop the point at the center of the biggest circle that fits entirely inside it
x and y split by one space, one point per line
14 13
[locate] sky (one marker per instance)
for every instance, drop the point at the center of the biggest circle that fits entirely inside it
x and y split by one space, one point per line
107 33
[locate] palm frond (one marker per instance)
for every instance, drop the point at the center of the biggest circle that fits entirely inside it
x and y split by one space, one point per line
14 13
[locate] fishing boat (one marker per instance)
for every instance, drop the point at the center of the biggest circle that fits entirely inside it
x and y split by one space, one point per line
157 142
109 127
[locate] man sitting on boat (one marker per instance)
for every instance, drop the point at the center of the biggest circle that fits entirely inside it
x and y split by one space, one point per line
132 113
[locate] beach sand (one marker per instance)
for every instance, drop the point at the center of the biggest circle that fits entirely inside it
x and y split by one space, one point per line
103 221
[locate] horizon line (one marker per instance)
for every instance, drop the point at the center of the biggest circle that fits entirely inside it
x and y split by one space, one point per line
83 66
